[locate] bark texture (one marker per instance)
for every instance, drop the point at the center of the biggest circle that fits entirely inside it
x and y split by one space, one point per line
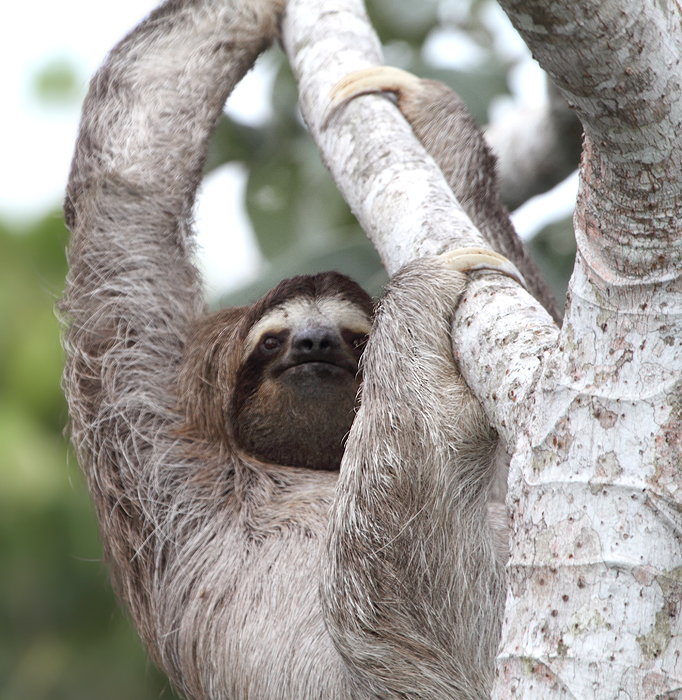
593 608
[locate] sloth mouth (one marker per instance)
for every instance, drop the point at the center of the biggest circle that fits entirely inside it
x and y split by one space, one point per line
320 367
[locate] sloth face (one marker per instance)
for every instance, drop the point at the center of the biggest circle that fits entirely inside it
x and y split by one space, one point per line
296 391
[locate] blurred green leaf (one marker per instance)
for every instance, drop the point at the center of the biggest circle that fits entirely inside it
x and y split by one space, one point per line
58 83
402 19
62 634
271 201
234 141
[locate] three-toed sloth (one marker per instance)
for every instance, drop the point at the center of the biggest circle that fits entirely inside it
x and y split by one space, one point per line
274 531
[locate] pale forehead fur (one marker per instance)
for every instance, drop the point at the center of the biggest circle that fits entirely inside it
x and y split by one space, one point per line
334 312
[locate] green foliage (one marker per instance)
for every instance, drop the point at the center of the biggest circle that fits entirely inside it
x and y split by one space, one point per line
403 19
554 251
57 84
62 634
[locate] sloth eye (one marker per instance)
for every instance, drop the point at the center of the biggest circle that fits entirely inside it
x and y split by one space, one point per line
270 344
358 342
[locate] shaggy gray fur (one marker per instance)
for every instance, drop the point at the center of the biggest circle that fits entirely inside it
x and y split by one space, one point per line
218 557
412 588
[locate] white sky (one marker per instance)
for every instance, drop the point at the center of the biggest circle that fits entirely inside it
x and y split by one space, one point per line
36 142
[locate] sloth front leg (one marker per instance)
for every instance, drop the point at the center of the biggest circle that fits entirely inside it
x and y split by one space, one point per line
412 588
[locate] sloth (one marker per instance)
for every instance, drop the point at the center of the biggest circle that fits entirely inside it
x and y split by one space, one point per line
296 498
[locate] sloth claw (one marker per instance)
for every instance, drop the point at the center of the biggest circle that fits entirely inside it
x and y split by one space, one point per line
368 81
470 259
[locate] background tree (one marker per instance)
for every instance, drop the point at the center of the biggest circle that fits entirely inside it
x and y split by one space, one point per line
61 632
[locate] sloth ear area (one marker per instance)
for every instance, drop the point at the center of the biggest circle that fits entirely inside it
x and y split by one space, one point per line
369 81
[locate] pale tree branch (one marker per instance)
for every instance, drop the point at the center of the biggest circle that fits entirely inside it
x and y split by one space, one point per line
618 64
393 187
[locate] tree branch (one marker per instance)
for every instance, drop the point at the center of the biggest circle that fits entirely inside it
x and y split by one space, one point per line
594 481
393 187
619 65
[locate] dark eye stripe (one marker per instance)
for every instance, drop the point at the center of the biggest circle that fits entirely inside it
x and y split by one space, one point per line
355 341
271 343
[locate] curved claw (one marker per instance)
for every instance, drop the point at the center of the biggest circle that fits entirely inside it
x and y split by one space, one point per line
469 259
367 81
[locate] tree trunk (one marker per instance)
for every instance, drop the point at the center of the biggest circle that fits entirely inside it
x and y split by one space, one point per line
594 601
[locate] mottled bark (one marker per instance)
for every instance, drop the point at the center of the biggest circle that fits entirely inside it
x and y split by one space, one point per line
594 598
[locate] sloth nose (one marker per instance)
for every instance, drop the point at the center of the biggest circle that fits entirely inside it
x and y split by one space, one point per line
315 342
316 345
